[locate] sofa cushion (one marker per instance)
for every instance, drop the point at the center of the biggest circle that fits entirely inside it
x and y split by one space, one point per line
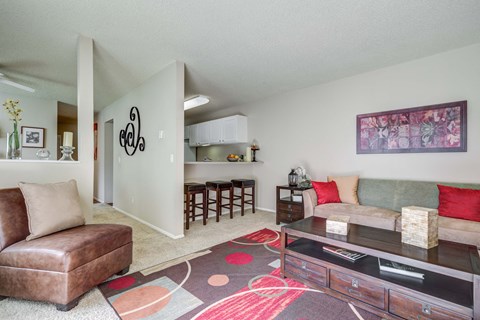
455 230
13 217
459 203
52 207
327 192
364 215
347 188
459 230
66 250
396 194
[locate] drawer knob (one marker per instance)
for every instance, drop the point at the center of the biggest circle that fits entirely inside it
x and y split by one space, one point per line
354 293
354 283
304 265
426 309
289 206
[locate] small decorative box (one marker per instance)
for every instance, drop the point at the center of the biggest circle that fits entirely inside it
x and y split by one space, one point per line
420 226
338 224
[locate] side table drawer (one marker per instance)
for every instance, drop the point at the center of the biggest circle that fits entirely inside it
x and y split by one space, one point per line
290 207
289 216
306 270
413 308
357 288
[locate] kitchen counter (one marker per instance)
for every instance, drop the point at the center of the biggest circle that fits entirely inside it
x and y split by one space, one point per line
223 162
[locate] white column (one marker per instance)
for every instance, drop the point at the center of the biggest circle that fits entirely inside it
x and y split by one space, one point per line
85 118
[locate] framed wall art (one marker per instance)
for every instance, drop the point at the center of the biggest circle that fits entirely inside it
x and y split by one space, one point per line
33 137
434 128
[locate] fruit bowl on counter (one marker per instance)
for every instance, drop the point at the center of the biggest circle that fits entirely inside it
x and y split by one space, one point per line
232 158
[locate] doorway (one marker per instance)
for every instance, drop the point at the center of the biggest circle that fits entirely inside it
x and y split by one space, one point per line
108 173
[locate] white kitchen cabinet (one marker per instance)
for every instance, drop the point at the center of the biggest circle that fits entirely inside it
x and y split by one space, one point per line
199 134
229 130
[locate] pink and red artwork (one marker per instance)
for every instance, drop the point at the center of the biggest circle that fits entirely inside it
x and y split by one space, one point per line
435 128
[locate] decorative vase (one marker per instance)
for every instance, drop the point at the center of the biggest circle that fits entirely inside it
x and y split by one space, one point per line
14 151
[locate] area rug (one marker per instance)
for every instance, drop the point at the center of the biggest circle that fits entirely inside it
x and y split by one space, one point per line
239 279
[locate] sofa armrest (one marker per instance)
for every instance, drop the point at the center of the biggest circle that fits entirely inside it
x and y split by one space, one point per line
309 202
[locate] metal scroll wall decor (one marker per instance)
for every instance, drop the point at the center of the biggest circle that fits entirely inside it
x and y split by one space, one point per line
130 139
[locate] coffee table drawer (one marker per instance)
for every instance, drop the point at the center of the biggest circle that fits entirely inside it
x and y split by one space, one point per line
413 308
358 288
306 270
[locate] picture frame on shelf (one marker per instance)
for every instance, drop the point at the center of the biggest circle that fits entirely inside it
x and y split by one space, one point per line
433 128
33 137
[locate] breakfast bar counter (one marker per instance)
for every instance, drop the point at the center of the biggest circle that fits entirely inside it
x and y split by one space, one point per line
202 171
222 162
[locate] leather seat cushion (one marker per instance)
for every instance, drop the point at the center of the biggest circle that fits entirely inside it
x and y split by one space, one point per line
68 249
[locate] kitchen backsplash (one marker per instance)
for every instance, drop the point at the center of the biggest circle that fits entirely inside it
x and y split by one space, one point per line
220 152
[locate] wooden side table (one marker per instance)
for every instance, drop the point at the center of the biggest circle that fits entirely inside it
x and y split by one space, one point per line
288 210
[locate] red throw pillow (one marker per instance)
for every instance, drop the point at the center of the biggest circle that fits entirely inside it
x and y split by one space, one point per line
327 192
459 203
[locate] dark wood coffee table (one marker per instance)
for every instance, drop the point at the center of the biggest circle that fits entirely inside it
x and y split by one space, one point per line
450 290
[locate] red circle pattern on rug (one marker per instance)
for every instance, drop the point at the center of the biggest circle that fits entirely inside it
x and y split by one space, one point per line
121 283
239 258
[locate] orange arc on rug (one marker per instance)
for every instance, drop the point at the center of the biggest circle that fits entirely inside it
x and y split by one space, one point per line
137 298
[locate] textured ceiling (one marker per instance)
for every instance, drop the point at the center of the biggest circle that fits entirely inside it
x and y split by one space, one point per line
234 51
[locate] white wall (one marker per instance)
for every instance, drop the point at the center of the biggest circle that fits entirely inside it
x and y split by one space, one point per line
37 112
315 127
14 171
148 185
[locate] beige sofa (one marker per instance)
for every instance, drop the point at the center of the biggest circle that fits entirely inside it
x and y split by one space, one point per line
381 203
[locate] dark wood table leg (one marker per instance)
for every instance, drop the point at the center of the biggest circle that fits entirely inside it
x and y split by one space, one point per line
205 208
231 203
218 203
278 200
242 201
187 210
253 199
194 198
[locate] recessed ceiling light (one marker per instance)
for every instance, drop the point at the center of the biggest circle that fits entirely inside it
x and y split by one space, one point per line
195 102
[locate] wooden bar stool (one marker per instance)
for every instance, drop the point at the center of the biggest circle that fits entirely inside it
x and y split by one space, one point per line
219 187
190 190
243 184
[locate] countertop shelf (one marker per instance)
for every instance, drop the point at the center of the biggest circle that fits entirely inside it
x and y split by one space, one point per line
222 162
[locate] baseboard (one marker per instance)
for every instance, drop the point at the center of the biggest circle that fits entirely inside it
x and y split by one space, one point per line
168 234
238 210
265 209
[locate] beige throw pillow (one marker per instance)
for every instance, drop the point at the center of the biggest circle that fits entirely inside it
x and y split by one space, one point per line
51 207
347 188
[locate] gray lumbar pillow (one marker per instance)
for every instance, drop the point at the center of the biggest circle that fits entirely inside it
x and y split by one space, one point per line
51 207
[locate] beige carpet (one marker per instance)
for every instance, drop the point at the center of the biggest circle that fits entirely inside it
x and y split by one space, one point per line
150 248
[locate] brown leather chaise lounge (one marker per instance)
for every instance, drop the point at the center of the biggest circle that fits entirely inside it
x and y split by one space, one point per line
59 267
